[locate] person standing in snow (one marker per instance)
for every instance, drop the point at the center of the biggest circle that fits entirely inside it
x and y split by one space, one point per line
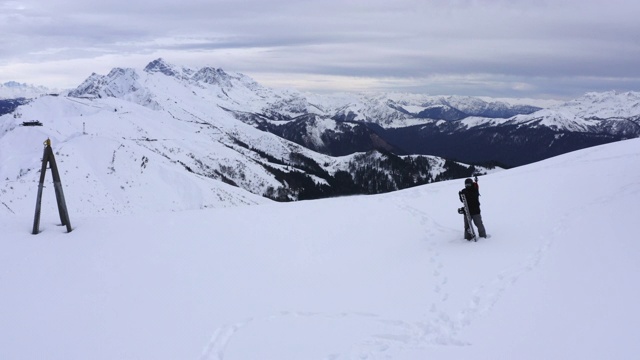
472 195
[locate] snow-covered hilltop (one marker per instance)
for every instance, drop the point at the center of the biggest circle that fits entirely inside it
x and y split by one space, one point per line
362 277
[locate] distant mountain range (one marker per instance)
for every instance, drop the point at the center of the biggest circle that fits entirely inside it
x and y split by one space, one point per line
167 138
468 129
211 125
15 90
14 94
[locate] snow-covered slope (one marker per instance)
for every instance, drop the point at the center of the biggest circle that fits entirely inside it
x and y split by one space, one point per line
376 277
131 158
144 142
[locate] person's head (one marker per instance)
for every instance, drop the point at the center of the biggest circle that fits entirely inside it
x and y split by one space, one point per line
468 183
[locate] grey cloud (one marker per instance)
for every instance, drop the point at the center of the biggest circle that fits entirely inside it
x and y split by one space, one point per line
553 47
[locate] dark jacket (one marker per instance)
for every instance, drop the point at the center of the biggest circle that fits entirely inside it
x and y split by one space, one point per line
473 198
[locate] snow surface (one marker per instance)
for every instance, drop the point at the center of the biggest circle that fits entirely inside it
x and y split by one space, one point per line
127 155
363 277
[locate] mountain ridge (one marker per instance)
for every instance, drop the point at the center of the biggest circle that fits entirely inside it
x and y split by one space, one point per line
207 129
127 131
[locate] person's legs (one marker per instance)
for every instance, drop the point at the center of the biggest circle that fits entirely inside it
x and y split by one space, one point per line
477 219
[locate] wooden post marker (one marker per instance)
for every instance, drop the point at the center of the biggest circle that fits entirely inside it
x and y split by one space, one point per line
48 158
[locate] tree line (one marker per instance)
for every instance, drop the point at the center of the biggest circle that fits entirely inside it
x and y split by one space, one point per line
373 172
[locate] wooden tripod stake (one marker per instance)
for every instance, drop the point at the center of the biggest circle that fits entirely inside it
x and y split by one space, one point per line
48 158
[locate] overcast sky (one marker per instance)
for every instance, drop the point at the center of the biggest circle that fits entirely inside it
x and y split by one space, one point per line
504 48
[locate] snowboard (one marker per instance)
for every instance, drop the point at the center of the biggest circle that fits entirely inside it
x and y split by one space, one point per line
470 231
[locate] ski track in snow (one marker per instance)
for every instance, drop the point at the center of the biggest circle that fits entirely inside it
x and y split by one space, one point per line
373 347
216 348
438 328
438 331
487 295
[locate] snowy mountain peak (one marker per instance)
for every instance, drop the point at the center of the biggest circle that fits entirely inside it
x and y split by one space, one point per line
213 76
143 87
118 83
89 88
14 84
161 66
122 83
206 75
